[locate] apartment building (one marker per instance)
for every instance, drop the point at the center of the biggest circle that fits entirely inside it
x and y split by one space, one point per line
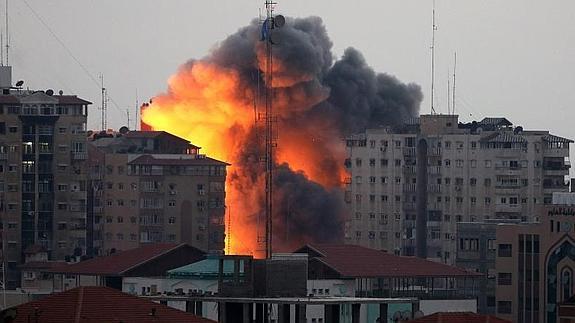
436 172
151 187
535 264
42 173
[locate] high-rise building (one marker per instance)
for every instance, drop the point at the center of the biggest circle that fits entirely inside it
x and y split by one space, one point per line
150 187
42 174
436 172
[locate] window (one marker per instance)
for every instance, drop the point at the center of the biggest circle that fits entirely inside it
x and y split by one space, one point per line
473 181
398 198
120 219
397 162
109 219
459 163
488 164
13 129
513 200
62 187
504 250
133 219
358 162
458 181
473 200
473 163
171 203
383 163
487 182
398 180
504 307
504 279
487 200
383 180
172 220
121 186
473 144
62 130
62 226
447 181
384 198
120 202
372 162
120 236
447 163
372 179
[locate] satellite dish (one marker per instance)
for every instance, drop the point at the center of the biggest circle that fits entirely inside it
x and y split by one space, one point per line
19 83
279 21
50 92
61 92
124 130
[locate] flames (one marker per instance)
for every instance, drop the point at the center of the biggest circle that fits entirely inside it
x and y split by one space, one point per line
213 108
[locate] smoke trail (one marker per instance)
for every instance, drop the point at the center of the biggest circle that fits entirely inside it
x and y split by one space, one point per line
317 102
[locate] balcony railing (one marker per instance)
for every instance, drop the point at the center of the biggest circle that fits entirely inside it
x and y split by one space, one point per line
79 155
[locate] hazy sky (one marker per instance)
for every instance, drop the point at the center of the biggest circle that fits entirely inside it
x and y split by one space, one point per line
516 58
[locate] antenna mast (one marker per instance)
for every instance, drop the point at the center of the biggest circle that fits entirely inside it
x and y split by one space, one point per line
7 35
104 104
453 92
433 29
269 126
448 94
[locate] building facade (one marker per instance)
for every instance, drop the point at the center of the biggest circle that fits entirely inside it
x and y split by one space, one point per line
437 172
42 174
151 187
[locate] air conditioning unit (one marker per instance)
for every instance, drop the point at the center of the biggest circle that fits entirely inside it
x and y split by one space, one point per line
201 192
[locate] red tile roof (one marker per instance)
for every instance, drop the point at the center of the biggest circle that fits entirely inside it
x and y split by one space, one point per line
43 264
100 304
356 261
118 263
458 317
151 160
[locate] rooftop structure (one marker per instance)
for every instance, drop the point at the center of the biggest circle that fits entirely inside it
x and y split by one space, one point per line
99 304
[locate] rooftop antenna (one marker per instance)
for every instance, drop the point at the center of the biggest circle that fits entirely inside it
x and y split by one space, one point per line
104 106
7 35
137 112
453 92
448 94
270 24
433 29
128 117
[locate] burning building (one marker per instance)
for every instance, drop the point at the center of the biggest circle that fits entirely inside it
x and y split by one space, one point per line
318 100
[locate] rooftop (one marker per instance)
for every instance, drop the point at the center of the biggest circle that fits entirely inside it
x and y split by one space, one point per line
120 263
155 134
458 317
99 304
62 99
157 160
353 261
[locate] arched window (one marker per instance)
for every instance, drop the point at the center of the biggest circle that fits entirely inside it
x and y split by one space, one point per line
566 283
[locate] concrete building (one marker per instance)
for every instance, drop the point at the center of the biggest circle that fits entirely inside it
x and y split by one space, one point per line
42 174
151 187
409 187
535 265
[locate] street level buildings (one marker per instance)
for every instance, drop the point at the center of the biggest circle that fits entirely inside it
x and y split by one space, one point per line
42 174
410 186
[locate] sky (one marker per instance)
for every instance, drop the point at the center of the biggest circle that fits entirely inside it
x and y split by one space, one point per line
515 58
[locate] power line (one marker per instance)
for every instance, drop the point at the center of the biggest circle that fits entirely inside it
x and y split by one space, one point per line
69 52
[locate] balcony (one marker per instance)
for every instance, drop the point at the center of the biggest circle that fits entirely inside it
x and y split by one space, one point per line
434 152
79 155
434 188
410 170
409 151
408 188
508 208
3 156
434 170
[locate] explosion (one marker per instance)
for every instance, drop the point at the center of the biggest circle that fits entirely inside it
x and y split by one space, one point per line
215 101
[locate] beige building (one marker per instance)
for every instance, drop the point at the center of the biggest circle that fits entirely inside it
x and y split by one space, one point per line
150 187
440 172
535 264
42 174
